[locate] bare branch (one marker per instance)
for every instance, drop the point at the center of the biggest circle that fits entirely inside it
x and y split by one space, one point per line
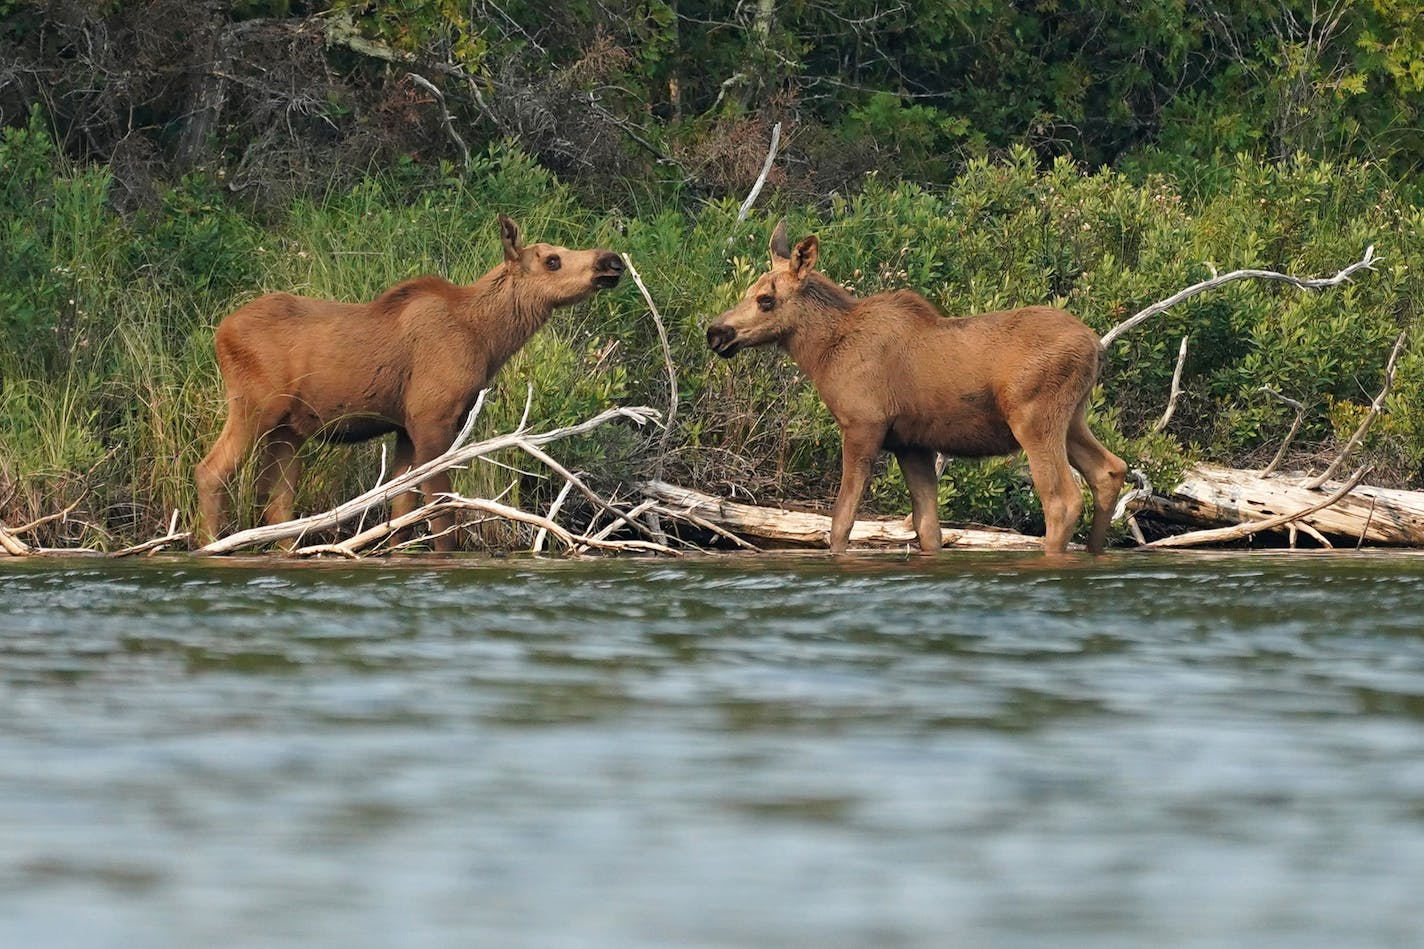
149 545
671 369
540 537
1176 389
1317 283
1376 407
761 178
458 454
1127 501
684 514
1295 427
445 118
24 529
631 516
585 490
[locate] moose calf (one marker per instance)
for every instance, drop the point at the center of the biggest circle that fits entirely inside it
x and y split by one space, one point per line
411 362
895 374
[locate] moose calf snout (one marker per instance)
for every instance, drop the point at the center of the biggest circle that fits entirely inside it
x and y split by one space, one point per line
610 269
719 337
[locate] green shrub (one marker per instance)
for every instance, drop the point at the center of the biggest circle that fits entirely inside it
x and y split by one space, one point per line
112 399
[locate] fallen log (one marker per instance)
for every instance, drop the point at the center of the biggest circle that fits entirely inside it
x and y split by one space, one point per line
1210 495
768 525
1235 532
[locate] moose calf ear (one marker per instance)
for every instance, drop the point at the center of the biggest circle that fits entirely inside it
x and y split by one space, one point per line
803 258
780 250
509 237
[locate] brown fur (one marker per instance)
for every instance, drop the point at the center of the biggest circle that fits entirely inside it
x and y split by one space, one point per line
896 375
411 362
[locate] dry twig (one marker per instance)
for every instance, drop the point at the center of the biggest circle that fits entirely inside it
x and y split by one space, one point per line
1295 427
1376 407
1176 389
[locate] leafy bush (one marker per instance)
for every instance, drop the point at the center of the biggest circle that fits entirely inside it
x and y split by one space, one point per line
111 400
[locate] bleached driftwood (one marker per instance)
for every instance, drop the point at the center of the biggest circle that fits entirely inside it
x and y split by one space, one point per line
458 454
13 546
670 368
1176 392
1313 283
761 178
1241 531
1376 407
803 529
1213 495
455 502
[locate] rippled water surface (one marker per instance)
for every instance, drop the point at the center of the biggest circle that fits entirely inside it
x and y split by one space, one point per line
784 751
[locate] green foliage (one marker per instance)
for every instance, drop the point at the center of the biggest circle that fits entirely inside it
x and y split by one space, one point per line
113 399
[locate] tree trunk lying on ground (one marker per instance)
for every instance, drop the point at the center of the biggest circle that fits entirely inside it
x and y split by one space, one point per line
804 529
1213 495
1241 502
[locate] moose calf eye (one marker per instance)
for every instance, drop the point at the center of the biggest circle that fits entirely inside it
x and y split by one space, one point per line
552 262
766 303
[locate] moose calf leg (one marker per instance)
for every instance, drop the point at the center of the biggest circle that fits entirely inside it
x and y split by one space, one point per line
1105 474
918 467
402 461
277 481
215 472
442 526
858 451
1059 493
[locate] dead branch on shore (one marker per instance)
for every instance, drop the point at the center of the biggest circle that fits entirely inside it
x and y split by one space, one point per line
1239 531
761 178
1290 435
13 546
458 454
1176 391
1314 283
1248 504
1375 408
446 120
671 369
1210 495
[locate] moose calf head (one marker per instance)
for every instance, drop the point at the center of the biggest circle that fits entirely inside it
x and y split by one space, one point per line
770 310
556 276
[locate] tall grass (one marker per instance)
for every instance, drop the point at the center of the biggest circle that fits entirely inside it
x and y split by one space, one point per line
109 393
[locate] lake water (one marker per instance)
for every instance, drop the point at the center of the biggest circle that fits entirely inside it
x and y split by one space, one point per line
783 751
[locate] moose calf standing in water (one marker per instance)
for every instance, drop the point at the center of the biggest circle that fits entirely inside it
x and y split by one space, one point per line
895 374
412 361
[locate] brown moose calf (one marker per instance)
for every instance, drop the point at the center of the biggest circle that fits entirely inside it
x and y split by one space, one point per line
411 362
895 374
